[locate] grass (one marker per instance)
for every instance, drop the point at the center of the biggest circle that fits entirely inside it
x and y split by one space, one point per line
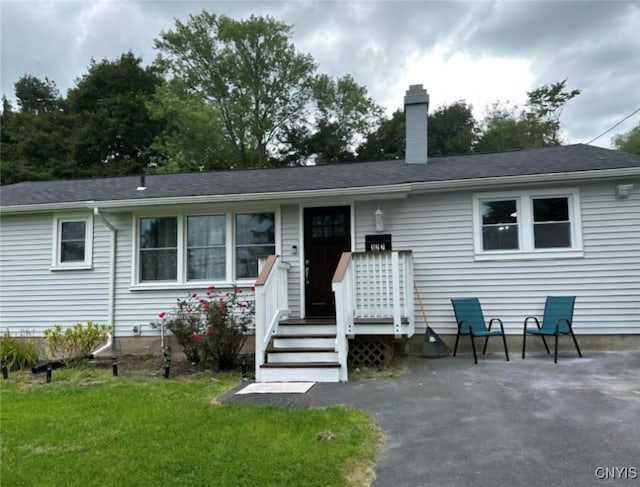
89 428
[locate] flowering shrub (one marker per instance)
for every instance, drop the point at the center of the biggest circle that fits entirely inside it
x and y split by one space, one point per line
211 329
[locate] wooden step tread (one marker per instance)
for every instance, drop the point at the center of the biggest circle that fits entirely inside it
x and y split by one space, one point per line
378 321
299 349
302 365
317 335
309 321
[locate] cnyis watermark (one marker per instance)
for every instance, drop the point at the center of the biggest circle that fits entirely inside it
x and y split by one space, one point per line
616 473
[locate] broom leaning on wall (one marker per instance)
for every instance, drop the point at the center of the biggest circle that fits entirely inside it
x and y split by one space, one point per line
433 346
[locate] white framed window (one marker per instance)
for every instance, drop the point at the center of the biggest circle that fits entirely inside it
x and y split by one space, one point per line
527 224
72 244
201 248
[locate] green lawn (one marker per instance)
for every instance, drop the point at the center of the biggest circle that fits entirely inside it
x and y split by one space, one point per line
89 428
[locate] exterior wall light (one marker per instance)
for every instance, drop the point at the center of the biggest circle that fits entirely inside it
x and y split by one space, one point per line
379 219
623 191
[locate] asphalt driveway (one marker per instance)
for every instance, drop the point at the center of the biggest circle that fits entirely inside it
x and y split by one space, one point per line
528 422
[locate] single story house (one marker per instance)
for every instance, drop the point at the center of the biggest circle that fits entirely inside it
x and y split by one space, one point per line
509 228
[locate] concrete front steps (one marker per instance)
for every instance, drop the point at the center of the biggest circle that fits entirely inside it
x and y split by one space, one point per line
303 350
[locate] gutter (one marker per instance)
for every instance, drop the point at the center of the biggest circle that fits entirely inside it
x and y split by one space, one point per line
357 192
112 275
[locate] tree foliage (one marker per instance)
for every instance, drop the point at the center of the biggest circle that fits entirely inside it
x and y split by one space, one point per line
545 105
35 95
193 138
114 126
387 141
345 114
247 71
629 141
451 129
538 124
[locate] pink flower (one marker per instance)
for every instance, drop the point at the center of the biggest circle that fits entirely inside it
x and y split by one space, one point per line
162 314
211 288
253 288
205 306
194 295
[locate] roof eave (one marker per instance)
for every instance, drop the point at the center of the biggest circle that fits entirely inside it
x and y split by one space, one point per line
359 192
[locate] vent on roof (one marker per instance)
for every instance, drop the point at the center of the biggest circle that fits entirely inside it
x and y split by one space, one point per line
142 186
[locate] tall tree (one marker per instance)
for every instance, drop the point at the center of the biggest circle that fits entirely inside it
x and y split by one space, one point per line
193 138
628 142
345 116
538 124
387 141
35 95
115 128
506 127
35 141
451 129
248 71
545 105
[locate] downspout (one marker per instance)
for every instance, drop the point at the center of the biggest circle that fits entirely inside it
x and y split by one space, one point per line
112 274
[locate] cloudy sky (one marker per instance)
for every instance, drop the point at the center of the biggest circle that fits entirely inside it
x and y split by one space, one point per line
481 51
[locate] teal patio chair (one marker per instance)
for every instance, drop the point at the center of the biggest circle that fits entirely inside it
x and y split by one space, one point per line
557 320
471 322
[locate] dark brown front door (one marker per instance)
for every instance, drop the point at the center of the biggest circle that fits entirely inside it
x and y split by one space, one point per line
326 235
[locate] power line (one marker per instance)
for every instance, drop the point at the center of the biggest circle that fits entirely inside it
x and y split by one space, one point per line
610 129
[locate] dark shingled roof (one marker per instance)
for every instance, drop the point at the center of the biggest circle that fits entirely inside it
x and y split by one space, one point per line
571 158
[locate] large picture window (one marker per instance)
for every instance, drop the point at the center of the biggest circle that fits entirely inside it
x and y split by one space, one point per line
528 224
187 248
72 242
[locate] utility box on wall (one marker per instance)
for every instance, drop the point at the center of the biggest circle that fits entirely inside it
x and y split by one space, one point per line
373 243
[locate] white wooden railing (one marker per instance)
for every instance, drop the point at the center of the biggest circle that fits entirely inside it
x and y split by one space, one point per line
272 305
342 286
376 286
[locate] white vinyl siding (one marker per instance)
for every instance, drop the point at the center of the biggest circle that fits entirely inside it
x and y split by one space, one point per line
291 253
437 227
32 297
439 230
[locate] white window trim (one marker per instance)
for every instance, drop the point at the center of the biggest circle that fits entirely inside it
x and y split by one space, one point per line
525 225
181 282
58 220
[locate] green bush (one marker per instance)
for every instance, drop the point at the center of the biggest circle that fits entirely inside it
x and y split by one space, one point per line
211 329
76 342
18 353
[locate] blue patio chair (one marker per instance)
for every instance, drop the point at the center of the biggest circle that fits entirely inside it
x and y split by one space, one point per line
471 322
557 320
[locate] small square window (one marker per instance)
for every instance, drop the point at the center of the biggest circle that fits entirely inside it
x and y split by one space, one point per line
72 242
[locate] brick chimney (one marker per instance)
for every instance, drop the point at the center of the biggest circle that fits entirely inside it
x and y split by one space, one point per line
416 106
